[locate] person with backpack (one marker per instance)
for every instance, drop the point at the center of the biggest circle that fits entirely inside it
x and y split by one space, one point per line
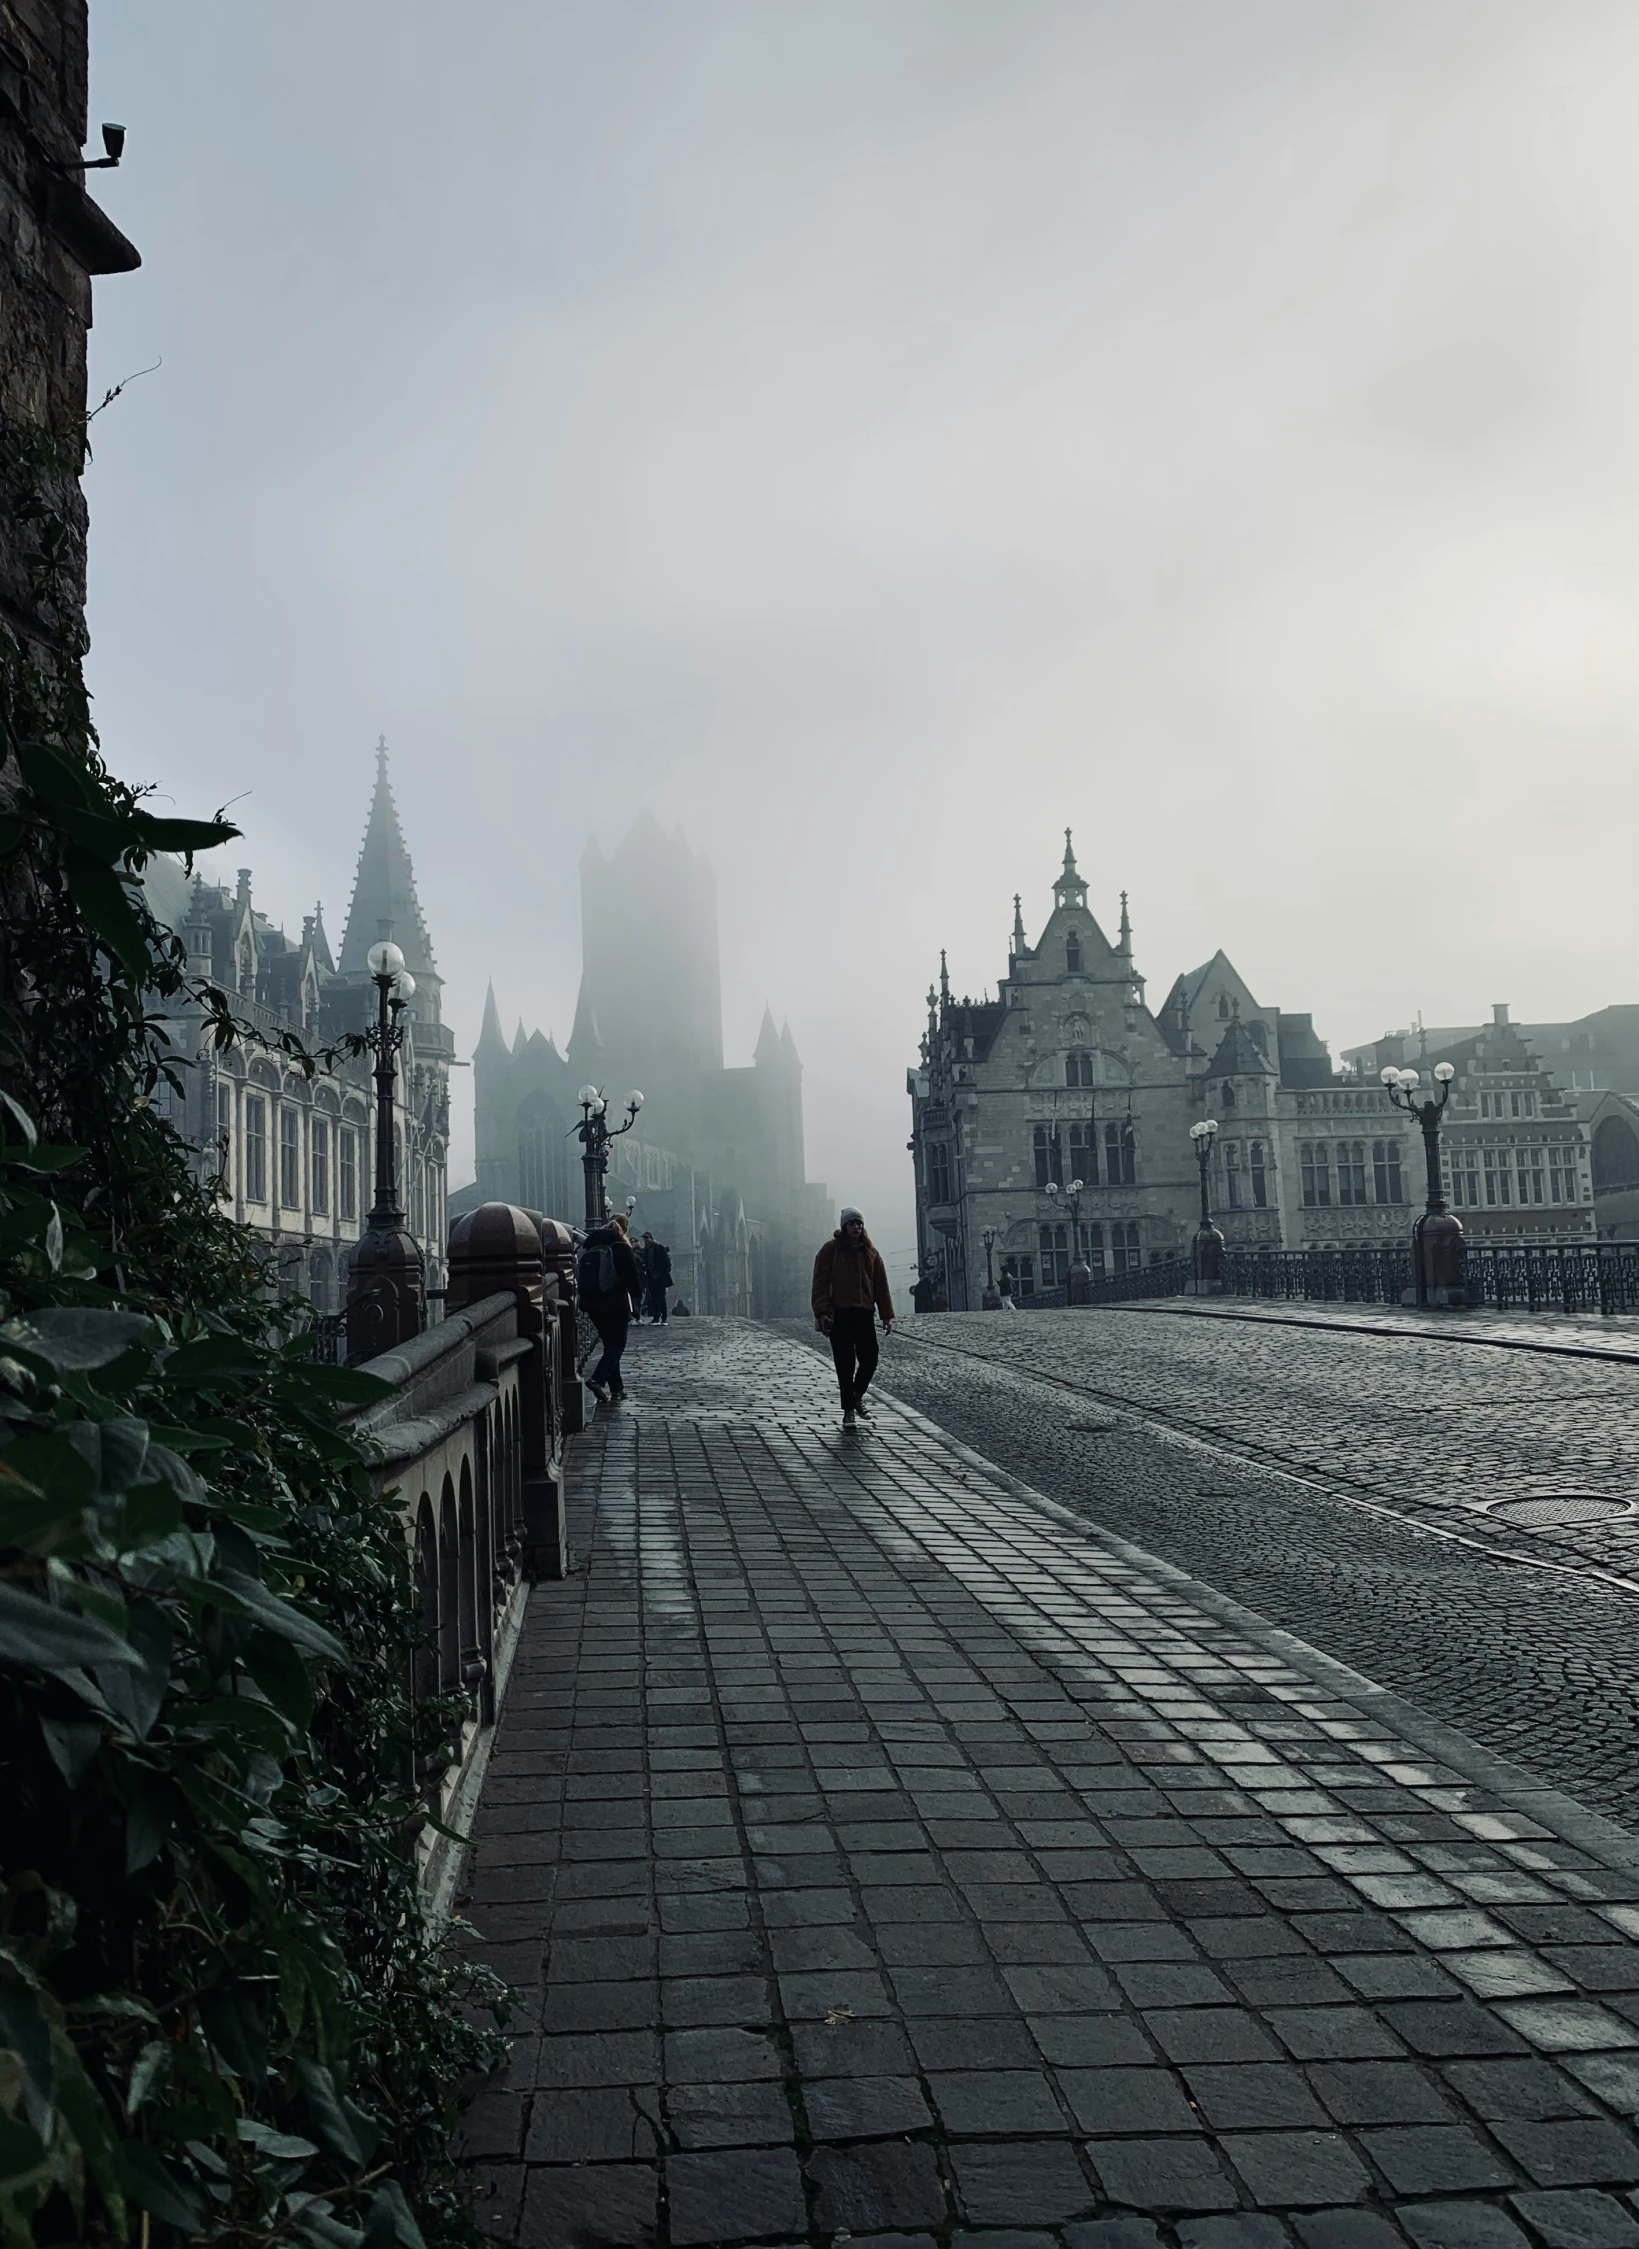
657 1267
608 1278
850 1289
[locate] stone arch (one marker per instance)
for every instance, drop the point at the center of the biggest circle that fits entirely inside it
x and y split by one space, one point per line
473 1603
449 1607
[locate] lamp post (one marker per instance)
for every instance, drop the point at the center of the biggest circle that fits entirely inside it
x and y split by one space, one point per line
594 1133
1437 1245
1078 1277
386 1280
991 1300
1209 1242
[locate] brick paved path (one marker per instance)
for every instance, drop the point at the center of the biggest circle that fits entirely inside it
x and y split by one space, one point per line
882 1854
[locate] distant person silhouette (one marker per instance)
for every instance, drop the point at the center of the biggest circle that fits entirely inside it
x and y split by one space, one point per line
850 1289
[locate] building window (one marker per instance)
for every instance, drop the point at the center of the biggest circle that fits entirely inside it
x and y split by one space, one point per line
1351 1171
290 1157
1232 1174
1223 1007
1465 1178
1072 956
321 1167
255 1148
1562 1172
1499 1183
1124 1244
1078 1069
347 1172
1053 1242
1120 1155
1092 1246
938 1172
1023 1270
1386 1171
1049 1156
1315 1162
1529 1161
1084 1154
1260 1176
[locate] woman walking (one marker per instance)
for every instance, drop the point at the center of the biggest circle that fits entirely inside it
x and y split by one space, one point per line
850 1289
610 1280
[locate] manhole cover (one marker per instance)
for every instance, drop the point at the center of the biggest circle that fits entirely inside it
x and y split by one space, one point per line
1569 1507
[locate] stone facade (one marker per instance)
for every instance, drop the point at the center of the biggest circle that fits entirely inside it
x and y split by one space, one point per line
293 1156
53 240
1068 1074
715 1166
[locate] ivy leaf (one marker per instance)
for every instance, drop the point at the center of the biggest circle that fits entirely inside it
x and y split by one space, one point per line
283 2146
153 2185
255 1599
338 2123
389 2220
28 2034
79 1337
149 2071
72 1743
22 1120
106 904
33 1631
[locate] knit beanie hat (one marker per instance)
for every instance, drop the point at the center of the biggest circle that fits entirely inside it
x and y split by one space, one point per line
849 1214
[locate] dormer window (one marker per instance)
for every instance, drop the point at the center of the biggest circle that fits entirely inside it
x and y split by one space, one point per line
1223 1007
1072 955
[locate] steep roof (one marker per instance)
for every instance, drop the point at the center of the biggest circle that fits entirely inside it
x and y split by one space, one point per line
384 889
1239 1054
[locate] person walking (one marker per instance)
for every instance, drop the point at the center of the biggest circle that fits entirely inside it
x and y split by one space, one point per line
610 1280
657 1267
850 1289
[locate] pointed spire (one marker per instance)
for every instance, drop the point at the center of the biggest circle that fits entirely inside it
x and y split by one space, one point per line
944 977
1070 890
384 889
1126 944
788 1043
1018 925
491 1037
585 1045
768 1038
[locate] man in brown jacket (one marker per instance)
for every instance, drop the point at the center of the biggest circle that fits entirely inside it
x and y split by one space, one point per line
850 1289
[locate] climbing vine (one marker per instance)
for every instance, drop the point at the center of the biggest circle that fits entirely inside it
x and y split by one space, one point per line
222 2015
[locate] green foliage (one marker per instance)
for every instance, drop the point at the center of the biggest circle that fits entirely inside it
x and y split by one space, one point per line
222 2016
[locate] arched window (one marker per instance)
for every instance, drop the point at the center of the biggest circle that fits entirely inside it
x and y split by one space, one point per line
1072 955
1615 1157
1078 1067
1120 1155
1226 1095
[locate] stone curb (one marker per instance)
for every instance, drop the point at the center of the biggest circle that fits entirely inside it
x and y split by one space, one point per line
1542 1345
1602 1839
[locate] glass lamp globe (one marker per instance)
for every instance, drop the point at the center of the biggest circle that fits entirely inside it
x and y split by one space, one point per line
1409 1078
1052 1187
1076 1186
384 959
1209 1126
1389 1075
634 1101
1444 1072
588 1097
404 985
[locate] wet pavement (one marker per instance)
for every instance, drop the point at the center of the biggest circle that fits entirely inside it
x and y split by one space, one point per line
885 1854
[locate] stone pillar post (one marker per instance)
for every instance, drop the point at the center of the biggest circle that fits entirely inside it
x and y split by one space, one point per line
498 1246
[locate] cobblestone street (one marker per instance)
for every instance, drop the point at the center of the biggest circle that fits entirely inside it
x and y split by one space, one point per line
882 1852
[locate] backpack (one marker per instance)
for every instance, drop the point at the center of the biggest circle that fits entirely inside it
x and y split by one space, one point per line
595 1275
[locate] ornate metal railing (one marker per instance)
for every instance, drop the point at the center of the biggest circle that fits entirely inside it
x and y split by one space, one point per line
1379 1274
1547 1277
1168 1278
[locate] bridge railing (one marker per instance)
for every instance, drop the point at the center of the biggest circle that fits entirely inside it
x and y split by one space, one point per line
472 1440
1565 1277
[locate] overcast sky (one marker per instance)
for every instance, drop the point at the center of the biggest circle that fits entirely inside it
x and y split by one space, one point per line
878 434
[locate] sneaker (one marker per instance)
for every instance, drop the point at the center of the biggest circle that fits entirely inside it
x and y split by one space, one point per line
862 1409
847 1417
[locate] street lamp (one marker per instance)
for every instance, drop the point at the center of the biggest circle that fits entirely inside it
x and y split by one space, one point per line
1437 1238
594 1133
1078 1278
386 1280
991 1300
1209 1242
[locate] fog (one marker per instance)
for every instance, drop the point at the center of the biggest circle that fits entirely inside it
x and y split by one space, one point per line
877 434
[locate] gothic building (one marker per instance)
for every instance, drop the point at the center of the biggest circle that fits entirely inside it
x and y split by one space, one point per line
715 1166
1066 1074
294 1157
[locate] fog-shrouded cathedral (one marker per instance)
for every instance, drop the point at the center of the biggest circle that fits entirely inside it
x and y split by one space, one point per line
1067 1075
715 1163
293 1156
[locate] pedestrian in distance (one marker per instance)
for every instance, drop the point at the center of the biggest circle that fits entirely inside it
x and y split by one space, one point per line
610 1281
657 1267
850 1289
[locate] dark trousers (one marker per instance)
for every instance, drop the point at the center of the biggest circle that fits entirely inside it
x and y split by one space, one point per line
854 1348
611 1316
657 1300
